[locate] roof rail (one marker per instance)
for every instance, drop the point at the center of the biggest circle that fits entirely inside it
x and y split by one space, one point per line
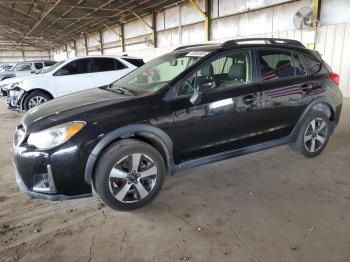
270 41
188 46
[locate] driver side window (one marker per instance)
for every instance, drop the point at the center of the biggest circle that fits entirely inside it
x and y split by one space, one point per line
228 71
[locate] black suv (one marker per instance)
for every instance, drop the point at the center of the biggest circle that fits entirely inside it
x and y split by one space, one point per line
195 105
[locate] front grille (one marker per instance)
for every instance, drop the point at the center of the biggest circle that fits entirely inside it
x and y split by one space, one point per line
19 135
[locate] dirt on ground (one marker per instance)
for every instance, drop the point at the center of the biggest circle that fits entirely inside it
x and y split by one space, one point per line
267 206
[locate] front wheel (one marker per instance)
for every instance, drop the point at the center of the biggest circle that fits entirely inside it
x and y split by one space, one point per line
129 174
313 135
35 99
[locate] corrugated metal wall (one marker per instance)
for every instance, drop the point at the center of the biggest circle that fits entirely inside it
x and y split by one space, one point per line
333 43
11 55
182 25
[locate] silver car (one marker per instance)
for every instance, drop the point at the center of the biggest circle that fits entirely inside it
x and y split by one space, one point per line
25 68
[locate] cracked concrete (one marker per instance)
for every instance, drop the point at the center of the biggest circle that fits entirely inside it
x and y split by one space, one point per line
268 206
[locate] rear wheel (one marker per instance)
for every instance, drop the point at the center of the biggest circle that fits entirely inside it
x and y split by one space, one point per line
313 135
129 174
35 99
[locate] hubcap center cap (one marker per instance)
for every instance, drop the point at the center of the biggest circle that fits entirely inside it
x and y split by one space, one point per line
133 177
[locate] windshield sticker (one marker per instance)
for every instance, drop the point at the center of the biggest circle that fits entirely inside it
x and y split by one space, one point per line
197 53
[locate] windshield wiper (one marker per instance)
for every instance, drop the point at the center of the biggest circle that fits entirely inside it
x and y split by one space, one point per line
121 90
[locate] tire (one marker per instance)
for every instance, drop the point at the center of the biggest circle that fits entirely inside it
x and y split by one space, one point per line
312 141
38 96
120 183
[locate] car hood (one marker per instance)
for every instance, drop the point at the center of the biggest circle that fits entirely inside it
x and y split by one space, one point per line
67 108
7 73
20 79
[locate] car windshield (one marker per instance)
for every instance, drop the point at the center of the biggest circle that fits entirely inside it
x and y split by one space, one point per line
12 68
48 69
154 75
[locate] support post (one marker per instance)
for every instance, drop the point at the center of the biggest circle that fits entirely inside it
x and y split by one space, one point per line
23 55
66 49
154 29
316 10
86 46
101 42
206 15
207 21
75 48
122 37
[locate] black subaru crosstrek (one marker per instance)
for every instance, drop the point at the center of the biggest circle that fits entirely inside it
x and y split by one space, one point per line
195 105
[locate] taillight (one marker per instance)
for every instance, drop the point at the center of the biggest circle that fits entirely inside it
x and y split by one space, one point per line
334 77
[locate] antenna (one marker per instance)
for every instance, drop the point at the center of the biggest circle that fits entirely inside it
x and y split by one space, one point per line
303 18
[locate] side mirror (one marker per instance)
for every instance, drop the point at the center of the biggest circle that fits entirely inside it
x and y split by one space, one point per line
62 72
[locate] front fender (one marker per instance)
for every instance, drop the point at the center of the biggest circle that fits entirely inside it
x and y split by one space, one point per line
140 130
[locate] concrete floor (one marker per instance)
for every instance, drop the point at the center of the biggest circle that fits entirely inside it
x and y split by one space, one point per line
267 206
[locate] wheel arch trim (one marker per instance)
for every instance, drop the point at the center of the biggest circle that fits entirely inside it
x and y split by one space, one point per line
136 130
26 93
309 108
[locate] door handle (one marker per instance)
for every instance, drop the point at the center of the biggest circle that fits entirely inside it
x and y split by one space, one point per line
306 87
249 99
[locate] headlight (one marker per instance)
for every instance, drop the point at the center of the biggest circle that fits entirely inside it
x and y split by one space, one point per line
55 136
11 86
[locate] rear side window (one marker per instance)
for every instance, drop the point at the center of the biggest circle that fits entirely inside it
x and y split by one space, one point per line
135 62
49 63
314 65
104 64
80 66
276 64
38 65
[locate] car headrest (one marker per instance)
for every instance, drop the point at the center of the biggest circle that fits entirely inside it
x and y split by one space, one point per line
236 71
283 63
207 71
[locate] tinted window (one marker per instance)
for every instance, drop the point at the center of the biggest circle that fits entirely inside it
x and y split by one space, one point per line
119 65
135 62
49 63
104 64
280 65
80 66
228 71
38 65
314 65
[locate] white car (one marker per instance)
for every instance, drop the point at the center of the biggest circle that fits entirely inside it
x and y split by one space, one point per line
65 77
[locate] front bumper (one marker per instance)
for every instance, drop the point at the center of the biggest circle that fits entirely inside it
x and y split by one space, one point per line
56 174
56 197
13 97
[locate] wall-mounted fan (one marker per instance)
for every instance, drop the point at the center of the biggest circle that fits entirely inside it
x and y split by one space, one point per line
303 18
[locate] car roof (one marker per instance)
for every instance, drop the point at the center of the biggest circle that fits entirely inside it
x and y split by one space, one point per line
244 43
36 61
102 56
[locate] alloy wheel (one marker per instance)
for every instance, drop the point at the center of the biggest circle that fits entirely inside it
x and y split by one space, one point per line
133 178
315 135
36 100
